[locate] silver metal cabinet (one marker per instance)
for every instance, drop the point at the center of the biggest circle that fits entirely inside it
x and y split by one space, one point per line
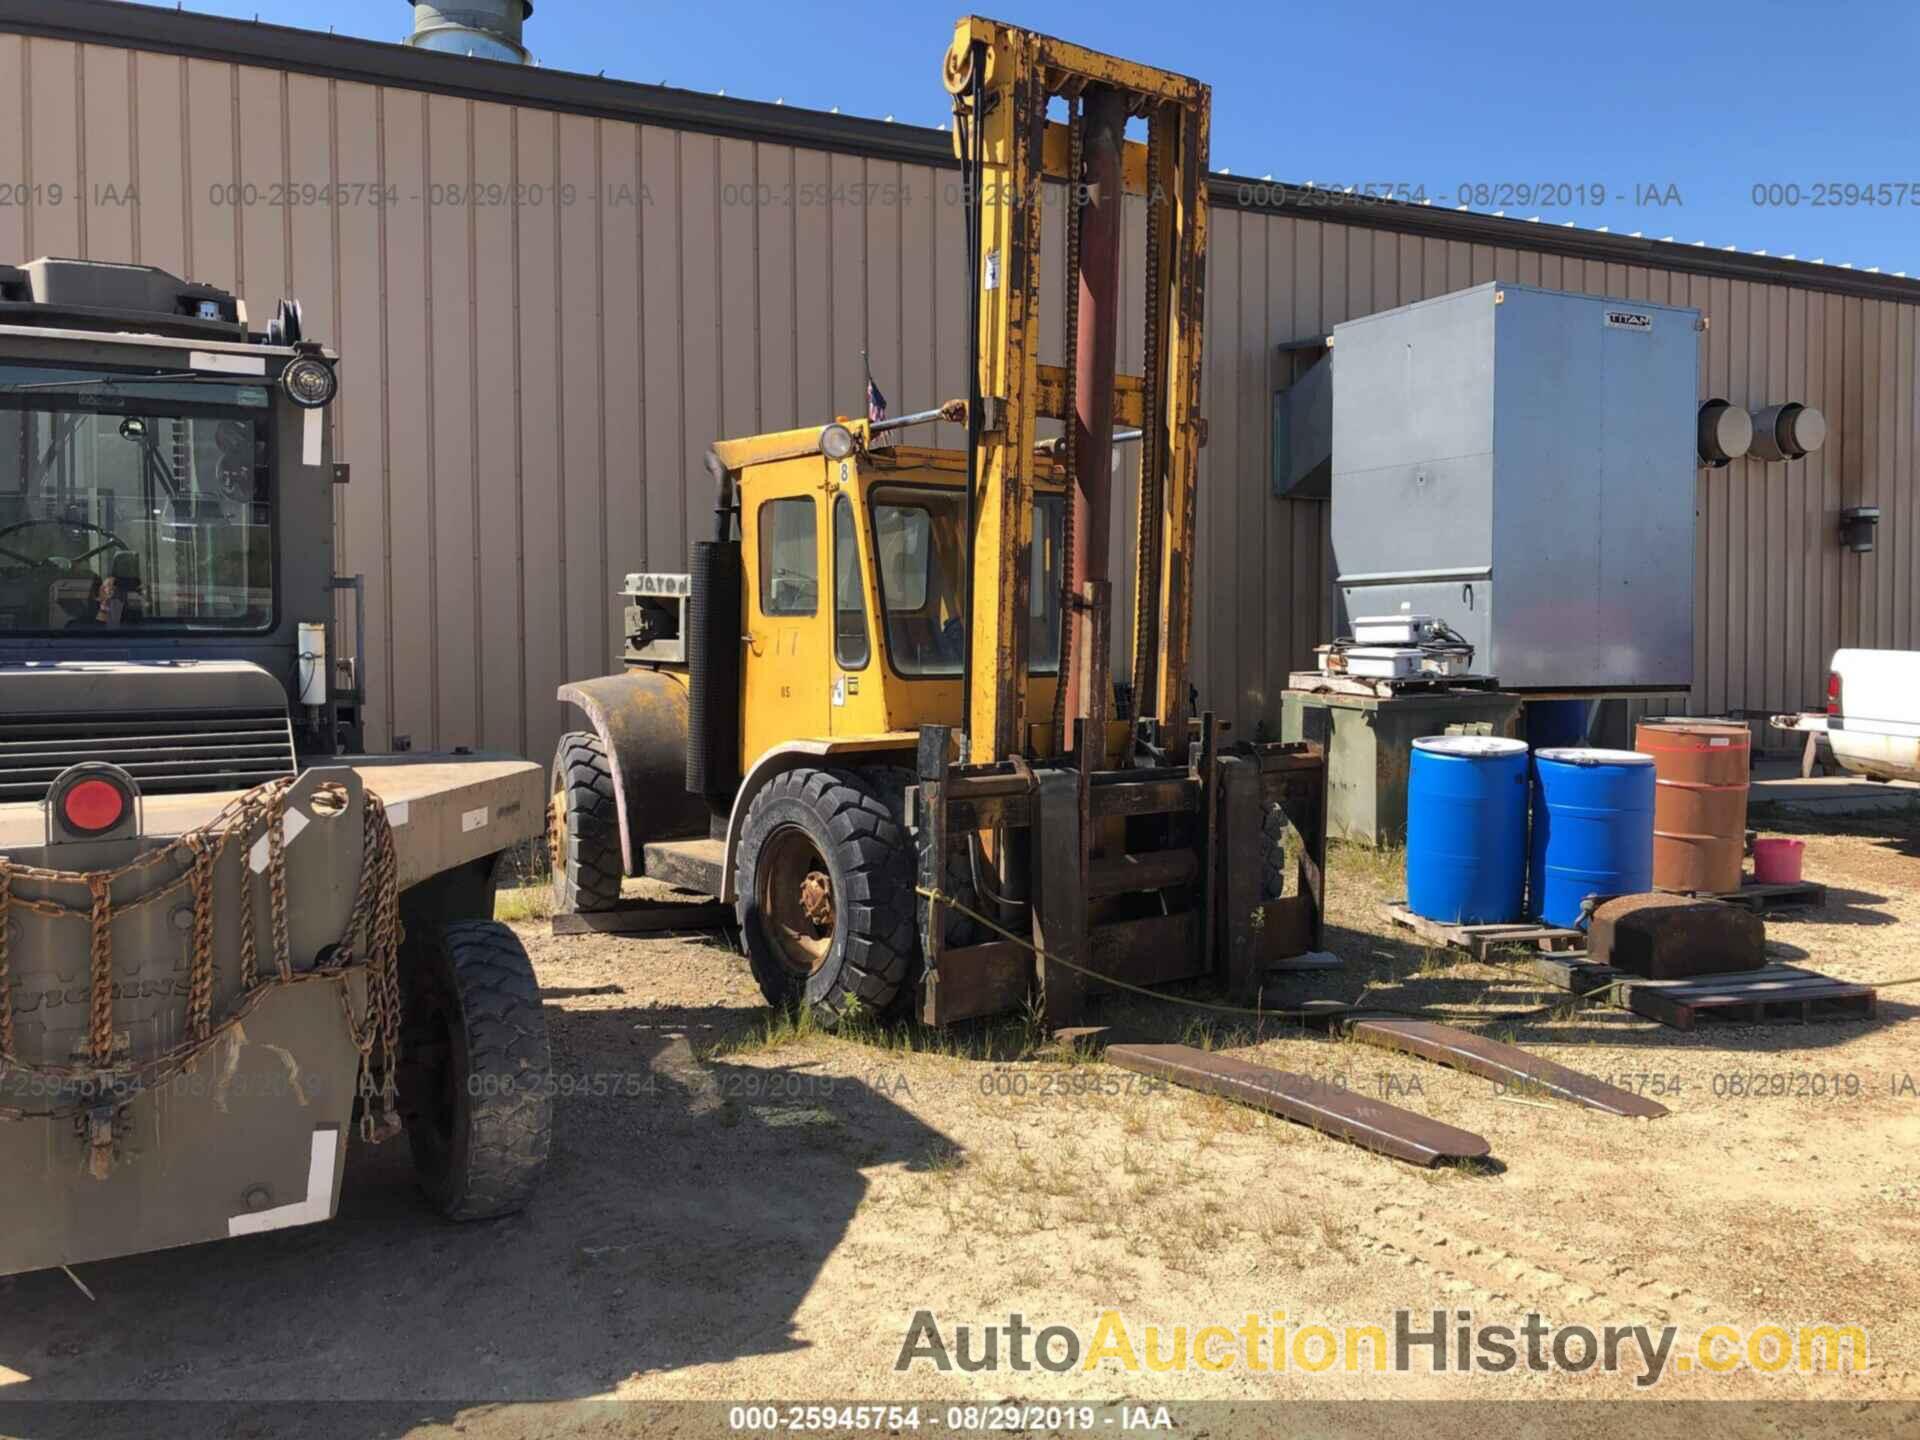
1520 463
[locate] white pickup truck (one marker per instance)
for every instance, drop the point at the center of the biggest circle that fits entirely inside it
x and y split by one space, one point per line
1872 720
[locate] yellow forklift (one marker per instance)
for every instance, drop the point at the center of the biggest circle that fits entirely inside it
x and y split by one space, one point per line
879 716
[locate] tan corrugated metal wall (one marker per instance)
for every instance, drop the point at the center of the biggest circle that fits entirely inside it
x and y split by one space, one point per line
535 365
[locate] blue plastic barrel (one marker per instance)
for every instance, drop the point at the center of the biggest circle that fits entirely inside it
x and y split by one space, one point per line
1592 830
1552 723
1467 829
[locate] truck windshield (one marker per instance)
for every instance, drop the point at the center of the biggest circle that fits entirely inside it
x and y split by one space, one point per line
917 546
133 499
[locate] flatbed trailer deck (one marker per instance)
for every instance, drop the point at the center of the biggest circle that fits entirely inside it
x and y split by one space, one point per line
446 811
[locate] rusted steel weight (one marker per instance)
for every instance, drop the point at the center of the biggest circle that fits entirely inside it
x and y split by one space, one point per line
1700 802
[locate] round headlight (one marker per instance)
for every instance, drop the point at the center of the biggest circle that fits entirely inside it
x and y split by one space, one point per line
836 442
309 382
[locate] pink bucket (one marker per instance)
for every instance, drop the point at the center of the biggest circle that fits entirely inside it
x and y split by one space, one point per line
1776 860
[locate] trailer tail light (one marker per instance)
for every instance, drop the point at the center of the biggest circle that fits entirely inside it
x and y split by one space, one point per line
93 805
1833 692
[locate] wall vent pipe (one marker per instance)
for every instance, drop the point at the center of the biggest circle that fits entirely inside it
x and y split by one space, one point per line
1788 432
1726 432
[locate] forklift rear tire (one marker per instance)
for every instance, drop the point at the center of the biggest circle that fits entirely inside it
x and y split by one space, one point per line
826 893
583 826
475 1070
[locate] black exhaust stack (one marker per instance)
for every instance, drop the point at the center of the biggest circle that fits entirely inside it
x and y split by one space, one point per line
713 652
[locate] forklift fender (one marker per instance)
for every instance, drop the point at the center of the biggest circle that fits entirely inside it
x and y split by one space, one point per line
641 719
893 746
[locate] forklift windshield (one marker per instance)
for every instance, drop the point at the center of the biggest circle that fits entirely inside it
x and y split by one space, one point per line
916 535
133 498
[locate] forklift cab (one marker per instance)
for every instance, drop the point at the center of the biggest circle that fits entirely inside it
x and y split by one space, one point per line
855 606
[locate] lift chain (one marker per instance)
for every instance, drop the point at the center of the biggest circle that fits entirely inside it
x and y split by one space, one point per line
106 1081
1069 450
1146 570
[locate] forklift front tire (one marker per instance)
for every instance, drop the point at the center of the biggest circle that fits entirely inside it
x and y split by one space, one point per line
826 897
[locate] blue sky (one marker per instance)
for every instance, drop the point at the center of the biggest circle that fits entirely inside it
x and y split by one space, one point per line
1692 104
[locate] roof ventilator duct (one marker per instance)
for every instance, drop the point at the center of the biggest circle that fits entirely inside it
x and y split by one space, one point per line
479 29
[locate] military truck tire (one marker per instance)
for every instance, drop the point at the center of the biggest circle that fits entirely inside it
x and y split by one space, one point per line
826 893
475 1070
583 826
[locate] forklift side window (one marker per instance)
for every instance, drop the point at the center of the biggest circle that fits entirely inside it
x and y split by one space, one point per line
917 547
789 558
916 535
850 645
906 555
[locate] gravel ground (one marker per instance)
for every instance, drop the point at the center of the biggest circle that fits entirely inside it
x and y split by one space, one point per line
741 1211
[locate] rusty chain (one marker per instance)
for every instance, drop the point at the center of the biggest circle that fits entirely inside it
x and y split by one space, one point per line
249 942
200 1000
100 969
371 942
277 881
376 915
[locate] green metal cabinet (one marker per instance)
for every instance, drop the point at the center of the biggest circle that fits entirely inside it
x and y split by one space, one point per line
1369 744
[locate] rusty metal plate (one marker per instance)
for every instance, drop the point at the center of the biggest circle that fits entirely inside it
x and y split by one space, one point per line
1478 1055
1324 1106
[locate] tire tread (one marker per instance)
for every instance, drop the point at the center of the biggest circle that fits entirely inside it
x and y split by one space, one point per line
587 877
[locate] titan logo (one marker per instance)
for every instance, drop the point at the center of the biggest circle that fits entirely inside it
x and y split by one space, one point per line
1629 320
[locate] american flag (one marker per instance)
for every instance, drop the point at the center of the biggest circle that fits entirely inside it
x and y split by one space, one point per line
876 402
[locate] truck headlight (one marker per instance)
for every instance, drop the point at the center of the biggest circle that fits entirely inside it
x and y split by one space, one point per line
309 382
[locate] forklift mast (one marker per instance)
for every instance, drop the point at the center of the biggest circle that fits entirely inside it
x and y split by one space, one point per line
1004 80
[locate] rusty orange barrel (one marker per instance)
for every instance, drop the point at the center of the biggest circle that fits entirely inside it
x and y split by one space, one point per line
1700 802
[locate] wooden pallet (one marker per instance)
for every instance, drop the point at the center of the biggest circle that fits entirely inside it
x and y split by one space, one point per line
1477 940
1763 899
1771 995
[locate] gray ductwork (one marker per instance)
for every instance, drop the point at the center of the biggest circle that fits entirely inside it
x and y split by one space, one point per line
1726 433
482 29
1788 432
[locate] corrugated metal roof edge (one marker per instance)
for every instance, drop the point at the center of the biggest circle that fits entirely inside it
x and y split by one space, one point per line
215 37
